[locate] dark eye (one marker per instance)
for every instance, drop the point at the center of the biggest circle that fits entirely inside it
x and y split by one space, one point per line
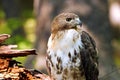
68 19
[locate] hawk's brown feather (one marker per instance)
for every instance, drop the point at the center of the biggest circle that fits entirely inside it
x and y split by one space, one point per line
89 57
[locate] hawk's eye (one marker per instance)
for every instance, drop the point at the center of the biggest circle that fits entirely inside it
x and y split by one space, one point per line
68 19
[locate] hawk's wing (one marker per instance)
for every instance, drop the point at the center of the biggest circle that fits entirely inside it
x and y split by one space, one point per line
89 57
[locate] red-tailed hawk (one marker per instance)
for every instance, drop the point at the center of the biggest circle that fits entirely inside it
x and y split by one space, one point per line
71 51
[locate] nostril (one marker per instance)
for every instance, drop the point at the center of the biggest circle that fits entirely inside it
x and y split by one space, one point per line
80 23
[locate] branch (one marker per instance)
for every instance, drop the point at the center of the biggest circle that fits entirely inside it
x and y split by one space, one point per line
3 37
11 69
16 53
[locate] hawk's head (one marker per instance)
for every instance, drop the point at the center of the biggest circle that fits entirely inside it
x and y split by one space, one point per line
65 21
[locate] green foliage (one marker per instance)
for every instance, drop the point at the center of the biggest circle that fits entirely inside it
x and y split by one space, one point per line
21 30
2 14
21 59
14 23
27 14
4 28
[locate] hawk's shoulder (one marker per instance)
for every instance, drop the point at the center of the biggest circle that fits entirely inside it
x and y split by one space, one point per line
88 39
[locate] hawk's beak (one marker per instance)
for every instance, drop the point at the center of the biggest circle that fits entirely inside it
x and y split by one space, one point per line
78 22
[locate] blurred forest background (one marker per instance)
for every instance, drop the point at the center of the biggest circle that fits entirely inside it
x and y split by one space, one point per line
28 22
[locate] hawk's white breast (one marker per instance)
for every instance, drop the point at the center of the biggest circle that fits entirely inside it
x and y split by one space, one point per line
61 45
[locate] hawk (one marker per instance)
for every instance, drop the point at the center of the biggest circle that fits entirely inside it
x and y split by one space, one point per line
71 53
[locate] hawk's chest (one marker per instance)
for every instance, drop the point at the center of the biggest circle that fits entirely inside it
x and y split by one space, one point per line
64 52
65 41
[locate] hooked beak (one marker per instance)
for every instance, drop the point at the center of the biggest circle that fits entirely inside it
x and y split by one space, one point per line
78 22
